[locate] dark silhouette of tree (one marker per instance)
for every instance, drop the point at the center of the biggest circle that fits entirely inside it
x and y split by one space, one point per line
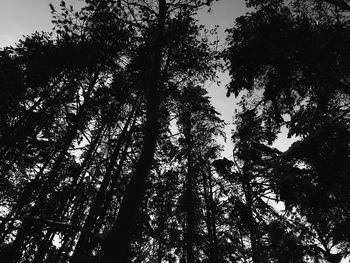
98 83
302 85
108 139
117 243
198 123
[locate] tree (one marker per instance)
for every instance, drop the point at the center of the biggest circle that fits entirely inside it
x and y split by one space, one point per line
107 101
108 138
117 243
302 86
198 123
64 94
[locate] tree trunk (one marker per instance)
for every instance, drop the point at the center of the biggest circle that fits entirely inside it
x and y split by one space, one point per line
116 244
45 244
47 185
251 221
210 215
160 230
115 248
80 251
189 206
215 251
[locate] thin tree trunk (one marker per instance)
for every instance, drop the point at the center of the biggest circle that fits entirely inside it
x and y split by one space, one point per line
80 251
69 138
44 247
161 232
189 206
251 223
215 251
208 219
26 227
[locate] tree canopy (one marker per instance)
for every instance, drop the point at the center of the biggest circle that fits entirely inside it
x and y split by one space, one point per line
109 140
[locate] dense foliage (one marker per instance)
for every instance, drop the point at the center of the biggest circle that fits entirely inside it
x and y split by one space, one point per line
108 139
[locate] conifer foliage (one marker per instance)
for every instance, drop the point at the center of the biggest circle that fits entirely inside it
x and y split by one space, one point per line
109 142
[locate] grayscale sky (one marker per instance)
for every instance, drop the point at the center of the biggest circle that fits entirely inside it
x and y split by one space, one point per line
23 17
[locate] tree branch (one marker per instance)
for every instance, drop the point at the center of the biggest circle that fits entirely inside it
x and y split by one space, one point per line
98 237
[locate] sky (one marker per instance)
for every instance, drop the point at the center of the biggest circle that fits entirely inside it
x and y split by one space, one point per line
223 14
23 17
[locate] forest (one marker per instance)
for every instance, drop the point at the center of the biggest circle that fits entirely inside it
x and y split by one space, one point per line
109 142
